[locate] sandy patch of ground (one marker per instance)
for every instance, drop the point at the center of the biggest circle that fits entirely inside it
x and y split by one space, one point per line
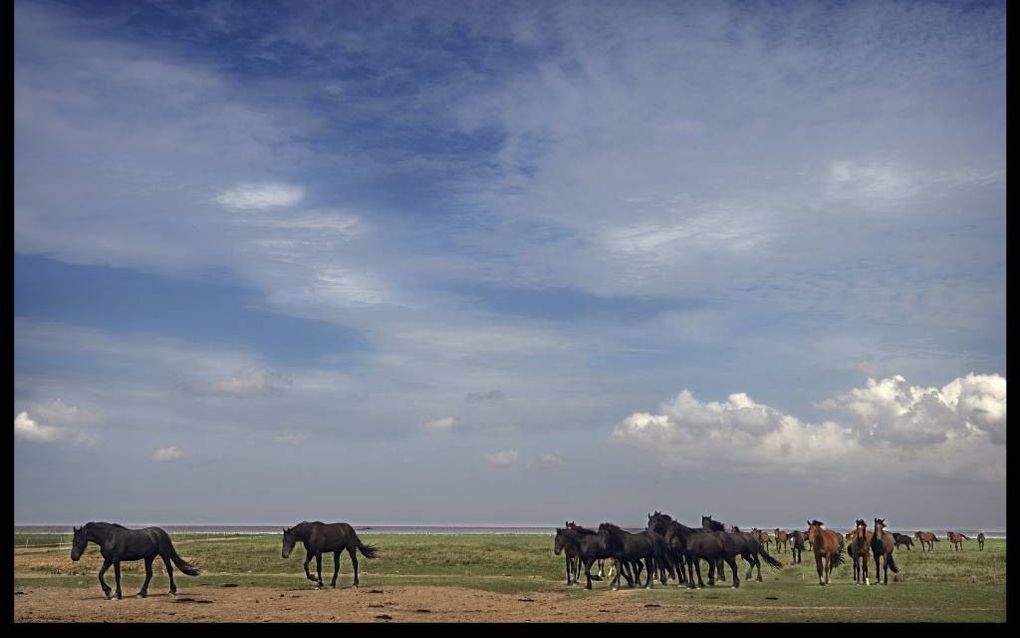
209 603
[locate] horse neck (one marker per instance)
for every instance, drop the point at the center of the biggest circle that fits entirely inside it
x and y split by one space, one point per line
302 531
97 533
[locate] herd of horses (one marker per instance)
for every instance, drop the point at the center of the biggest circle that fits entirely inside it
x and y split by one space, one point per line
666 549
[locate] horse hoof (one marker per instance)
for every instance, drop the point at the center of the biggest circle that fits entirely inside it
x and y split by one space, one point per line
141 595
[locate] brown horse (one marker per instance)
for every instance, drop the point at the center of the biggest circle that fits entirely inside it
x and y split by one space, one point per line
981 541
956 538
882 545
781 539
763 537
860 550
927 539
828 548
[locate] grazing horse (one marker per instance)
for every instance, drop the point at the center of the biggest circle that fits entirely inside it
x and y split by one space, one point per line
318 537
781 540
859 549
903 539
117 543
828 549
981 541
927 539
883 544
588 547
798 544
956 538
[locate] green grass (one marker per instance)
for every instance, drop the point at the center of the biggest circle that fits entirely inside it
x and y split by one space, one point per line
932 586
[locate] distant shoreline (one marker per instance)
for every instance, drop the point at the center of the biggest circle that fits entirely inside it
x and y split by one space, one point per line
421 529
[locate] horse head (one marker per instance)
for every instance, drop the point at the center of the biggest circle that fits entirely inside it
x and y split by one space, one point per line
79 542
288 541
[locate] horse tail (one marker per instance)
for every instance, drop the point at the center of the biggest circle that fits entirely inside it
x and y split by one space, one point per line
892 563
938 540
182 564
964 537
771 562
838 560
368 551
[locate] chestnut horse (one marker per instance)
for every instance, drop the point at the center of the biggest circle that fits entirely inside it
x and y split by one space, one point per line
882 545
956 538
781 540
981 541
860 549
927 539
763 537
828 549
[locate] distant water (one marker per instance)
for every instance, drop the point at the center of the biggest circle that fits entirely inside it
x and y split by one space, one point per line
423 529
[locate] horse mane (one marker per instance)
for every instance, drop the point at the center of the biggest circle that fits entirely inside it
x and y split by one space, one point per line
614 530
103 524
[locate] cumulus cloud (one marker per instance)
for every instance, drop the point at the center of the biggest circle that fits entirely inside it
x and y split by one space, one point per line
442 424
53 421
259 196
167 454
491 395
26 428
956 430
502 458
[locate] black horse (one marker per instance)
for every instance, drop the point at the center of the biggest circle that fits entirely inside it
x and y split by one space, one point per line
644 546
318 537
696 545
747 544
660 524
574 562
588 547
903 539
117 543
798 537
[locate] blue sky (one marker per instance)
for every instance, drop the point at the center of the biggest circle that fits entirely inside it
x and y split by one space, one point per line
509 262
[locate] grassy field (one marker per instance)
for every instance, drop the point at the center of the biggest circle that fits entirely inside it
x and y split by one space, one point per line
934 586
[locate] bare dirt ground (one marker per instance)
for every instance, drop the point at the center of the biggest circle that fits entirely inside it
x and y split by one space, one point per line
368 604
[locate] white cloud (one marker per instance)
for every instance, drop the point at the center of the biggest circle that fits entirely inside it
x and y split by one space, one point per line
54 421
443 424
550 459
502 458
290 438
168 454
259 196
26 428
252 382
956 431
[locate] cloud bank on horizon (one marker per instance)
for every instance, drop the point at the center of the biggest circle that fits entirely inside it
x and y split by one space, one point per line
255 241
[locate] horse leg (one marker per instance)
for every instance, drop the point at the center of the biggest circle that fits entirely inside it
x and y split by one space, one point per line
102 583
566 560
601 564
711 572
697 568
733 567
169 573
318 570
354 561
336 568
587 572
650 569
818 564
148 576
867 581
116 574
308 559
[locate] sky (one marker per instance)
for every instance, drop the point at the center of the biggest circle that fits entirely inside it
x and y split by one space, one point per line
509 262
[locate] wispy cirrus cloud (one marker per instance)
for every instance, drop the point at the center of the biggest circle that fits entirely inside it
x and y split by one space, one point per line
168 454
